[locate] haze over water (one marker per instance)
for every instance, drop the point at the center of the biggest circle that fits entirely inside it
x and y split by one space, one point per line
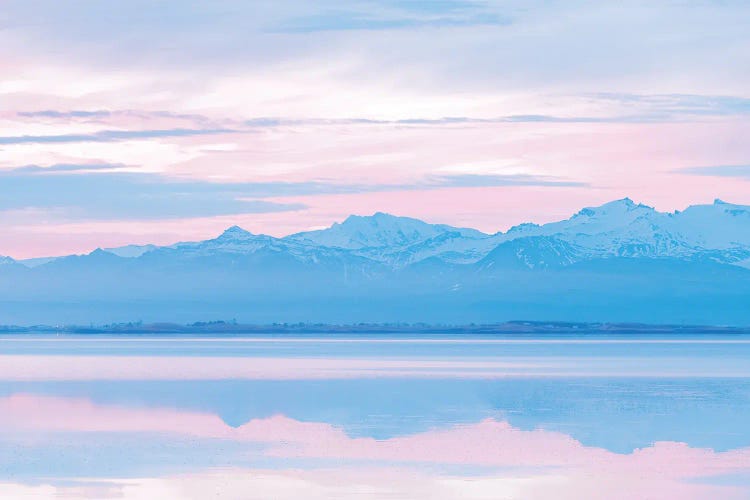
375 416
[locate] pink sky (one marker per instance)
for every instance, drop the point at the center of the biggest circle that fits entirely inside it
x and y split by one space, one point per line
586 103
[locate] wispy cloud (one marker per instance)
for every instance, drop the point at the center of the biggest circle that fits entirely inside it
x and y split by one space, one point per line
66 167
100 192
345 21
455 120
448 120
111 115
398 14
51 113
481 180
740 171
110 136
602 107
74 195
671 105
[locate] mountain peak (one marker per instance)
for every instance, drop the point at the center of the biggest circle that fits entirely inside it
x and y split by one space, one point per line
625 201
235 232
621 206
523 227
377 217
379 230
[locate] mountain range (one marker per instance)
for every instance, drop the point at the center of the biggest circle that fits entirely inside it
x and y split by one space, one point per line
620 261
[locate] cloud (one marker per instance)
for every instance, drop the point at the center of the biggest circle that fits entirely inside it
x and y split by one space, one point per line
110 136
460 120
50 113
669 105
589 46
395 15
242 125
113 116
602 108
101 192
65 167
740 171
69 192
482 180
643 109
430 182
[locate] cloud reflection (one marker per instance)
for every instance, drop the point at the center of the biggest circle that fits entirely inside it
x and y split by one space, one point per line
497 457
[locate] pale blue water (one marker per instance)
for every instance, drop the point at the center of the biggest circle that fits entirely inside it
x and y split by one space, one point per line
618 392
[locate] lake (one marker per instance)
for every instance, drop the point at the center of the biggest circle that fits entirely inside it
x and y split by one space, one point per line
375 416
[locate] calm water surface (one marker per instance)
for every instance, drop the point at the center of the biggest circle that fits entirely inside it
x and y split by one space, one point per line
381 416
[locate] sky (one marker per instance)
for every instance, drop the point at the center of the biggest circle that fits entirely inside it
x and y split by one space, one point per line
146 121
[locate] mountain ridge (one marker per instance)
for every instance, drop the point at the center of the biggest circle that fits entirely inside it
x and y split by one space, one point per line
617 228
619 262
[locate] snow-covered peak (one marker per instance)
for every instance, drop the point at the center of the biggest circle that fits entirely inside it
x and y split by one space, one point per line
720 225
234 239
235 233
615 213
623 228
379 230
619 216
6 260
610 216
524 228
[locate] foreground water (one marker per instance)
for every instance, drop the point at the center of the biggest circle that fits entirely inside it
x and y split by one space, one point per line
386 416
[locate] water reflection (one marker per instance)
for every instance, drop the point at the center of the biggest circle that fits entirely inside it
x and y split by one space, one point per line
537 419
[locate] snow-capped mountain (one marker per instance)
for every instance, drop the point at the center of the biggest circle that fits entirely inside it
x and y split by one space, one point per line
400 241
233 240
380 230
719 232
622 228
620 261
236 241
